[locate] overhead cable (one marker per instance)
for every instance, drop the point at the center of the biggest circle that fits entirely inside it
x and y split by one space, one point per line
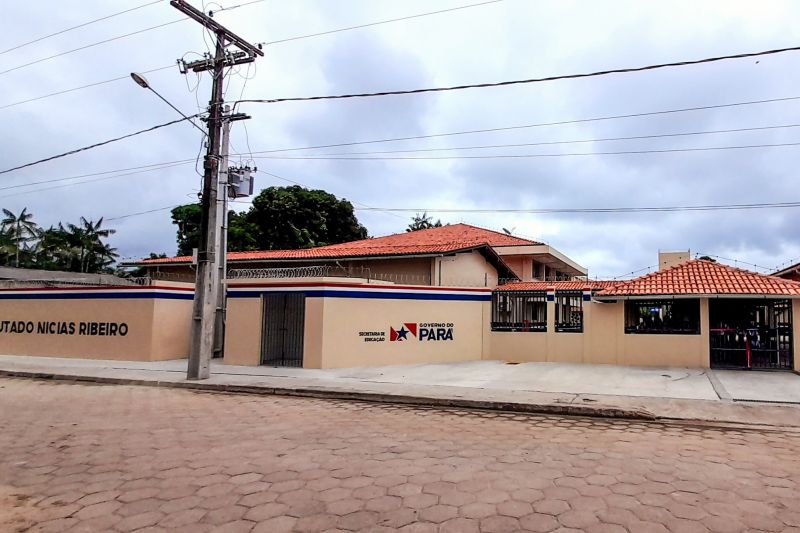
536 125
212 13
379 22
522 156
104 178
84 24
364 206
125 77
84 47
562 210
102 143
529 80
144 168
141 213
574 141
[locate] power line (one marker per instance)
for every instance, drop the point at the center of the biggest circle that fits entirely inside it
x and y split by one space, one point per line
379 22
651 113
363 206
104 178
577 141
211 13
734 261
614 278
526 156
98 43
142 213
109 141
78 26
149 168
125 77
529 80
537 125
718 207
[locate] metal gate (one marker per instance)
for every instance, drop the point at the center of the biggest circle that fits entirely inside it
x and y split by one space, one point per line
282 329
752 334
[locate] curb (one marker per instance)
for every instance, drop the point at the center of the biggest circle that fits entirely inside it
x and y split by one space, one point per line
333 394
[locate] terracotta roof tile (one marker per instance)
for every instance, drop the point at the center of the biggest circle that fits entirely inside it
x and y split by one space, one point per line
701 277
446 239
594 285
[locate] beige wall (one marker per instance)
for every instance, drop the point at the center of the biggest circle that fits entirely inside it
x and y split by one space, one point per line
604 341
344 319
333 327
243 331
670 259
469 269
172 325
522 265
157 329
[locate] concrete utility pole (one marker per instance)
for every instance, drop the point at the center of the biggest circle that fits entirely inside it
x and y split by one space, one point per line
207 284
223 193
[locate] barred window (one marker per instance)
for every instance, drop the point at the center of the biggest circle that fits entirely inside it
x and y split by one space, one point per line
678 317
569 312
519 311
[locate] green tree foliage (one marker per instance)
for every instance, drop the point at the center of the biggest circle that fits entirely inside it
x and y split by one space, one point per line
423 221
74 247
280 218
20 229
187 218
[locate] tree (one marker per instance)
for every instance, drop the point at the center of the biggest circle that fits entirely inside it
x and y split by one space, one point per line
20 229
280 218
294 217
75 248
92 254
423 221
187 218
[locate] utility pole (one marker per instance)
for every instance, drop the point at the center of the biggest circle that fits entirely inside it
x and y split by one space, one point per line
207 284
223 193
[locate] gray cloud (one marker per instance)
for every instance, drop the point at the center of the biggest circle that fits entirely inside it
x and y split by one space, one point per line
500 41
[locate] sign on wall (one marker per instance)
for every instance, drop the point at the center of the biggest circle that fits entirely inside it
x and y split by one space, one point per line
49 327
412 331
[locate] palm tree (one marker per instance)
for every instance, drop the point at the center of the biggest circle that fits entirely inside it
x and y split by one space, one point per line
20 229
86 238
54 249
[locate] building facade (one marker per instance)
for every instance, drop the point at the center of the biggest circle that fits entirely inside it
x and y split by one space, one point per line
691 313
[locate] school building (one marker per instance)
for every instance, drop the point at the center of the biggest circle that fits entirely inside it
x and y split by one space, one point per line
456 293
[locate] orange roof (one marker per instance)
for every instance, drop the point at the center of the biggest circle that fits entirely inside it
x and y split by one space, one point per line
701 277
594 285
447 239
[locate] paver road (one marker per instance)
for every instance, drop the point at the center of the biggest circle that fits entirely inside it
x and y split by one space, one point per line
116 458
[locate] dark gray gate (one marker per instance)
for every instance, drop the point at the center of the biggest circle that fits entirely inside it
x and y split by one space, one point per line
282 329
751 333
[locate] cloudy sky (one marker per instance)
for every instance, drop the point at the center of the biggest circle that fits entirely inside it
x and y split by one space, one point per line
506 40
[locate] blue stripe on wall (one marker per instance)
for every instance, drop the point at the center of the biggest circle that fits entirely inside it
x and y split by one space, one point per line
246 294
96 296
374 295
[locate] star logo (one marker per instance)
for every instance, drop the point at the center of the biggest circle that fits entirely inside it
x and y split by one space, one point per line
402 333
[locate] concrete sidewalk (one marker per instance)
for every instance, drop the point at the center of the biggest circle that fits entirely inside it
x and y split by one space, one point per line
596 390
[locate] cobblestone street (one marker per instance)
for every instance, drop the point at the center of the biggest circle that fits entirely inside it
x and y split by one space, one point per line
105 458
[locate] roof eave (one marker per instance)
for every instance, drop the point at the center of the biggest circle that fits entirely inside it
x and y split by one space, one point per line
672 296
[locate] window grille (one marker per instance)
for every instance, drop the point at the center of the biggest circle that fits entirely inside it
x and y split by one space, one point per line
569 312
677 317
519 311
